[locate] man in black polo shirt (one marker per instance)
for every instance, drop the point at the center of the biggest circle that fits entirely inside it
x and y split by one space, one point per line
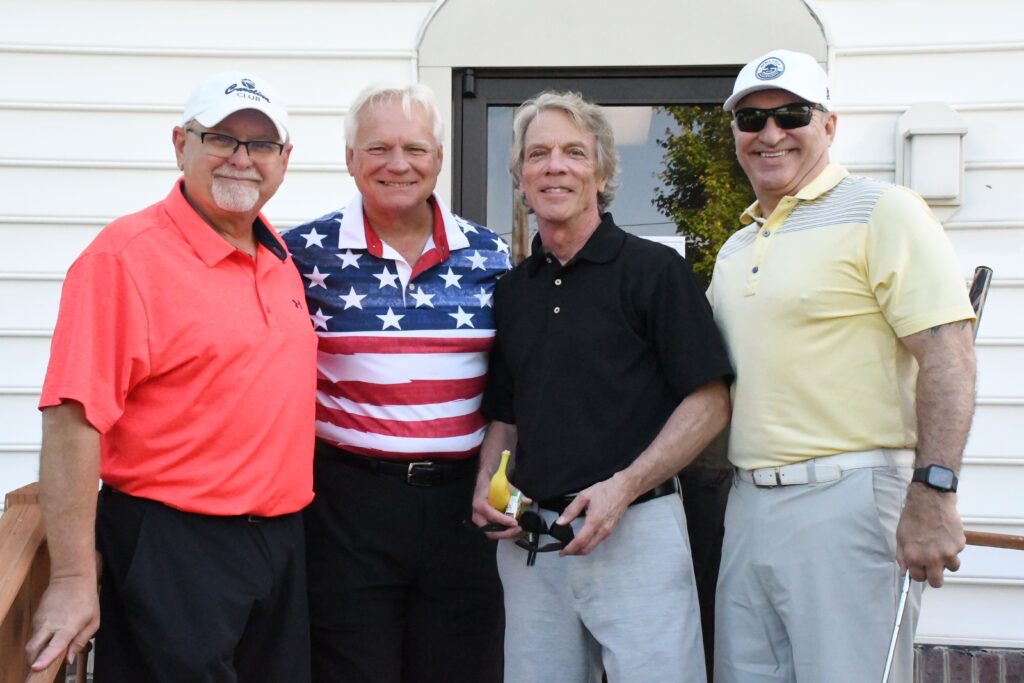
607 377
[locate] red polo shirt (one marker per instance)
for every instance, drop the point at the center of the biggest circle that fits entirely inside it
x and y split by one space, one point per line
195 363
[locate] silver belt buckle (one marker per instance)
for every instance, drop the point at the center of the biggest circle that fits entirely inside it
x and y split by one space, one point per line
410 475
769 484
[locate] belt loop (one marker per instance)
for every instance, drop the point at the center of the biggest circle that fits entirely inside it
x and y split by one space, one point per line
812 472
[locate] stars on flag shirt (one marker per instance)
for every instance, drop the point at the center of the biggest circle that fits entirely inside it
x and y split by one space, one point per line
402 355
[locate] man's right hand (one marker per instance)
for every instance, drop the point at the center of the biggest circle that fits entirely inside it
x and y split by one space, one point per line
484 514
68 616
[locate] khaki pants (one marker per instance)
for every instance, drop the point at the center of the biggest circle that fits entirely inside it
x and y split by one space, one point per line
628 608
809 583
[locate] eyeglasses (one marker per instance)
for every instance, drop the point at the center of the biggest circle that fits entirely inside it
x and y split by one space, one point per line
534 526
224 146
787 117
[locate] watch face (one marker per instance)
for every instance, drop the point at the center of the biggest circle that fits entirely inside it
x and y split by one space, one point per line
940 477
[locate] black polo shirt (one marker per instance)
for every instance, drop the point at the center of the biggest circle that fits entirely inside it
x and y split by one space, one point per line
592 357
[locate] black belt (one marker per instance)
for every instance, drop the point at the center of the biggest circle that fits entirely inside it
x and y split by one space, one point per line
663 489
414 472
110 491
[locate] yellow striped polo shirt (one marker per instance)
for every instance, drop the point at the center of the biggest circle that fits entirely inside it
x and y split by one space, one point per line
812 302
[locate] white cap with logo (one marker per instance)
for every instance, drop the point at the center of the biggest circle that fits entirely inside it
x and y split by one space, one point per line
795 72
222 95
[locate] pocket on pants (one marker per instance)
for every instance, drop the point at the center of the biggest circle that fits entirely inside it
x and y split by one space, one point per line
889 489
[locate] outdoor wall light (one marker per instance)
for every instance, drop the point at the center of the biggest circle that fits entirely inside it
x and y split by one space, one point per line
930 152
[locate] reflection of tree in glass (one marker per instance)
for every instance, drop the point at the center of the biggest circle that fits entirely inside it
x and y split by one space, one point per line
704 189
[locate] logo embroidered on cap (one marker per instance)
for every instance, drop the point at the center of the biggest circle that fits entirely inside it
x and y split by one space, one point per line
770 69
247 89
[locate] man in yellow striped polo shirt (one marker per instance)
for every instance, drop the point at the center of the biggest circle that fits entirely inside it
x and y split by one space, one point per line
849 326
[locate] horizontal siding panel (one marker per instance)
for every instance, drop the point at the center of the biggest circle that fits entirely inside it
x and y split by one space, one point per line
317 139
1000 371
994 613
995 432
82 192
43 248
28 305
17 468
305 196
319 25
870 137
992 491
1001 250
992 564
865 138
170 79
25 360
1003 318
900 79
21 424
146 136
87 135
992 195
994 135
919 22
109 192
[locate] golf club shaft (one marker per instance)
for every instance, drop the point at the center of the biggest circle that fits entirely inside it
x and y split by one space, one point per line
900 610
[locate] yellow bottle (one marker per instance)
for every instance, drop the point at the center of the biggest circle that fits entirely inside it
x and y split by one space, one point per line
499 493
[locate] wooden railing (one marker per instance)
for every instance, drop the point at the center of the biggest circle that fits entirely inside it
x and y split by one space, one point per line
24 573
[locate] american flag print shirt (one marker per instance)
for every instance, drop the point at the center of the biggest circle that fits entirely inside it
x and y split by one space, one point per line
402 353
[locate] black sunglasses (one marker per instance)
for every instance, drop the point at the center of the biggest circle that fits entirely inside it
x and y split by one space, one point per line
787 117
534 526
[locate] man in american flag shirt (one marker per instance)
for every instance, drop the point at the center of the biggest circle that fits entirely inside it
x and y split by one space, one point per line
399 290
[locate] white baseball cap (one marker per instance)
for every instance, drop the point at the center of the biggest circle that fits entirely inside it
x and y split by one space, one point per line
222 95
795 72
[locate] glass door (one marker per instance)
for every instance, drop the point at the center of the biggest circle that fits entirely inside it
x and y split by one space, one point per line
679 179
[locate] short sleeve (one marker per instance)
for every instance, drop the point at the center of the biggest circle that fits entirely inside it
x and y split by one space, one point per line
911 266
99 349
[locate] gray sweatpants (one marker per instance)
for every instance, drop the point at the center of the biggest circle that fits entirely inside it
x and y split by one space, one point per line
809 583
629 608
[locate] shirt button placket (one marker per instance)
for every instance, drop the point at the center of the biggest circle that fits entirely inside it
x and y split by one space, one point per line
558 283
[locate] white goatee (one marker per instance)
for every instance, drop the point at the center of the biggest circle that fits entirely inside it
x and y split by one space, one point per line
230 195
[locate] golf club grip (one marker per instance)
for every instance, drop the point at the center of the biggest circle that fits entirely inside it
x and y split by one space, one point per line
979 293
992 540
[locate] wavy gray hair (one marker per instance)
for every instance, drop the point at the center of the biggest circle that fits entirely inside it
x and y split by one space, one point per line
588 117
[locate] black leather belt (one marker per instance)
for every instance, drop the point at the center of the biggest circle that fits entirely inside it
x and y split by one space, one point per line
663 489
413 472
109 491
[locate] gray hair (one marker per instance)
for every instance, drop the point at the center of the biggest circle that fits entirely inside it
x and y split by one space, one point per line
588 117
406 93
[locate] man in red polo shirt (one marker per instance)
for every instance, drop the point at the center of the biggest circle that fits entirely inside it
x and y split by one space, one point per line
182 374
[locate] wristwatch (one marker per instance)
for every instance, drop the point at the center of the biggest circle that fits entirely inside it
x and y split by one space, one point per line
937 477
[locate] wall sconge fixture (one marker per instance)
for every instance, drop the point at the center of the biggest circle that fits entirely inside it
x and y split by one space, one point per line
930 152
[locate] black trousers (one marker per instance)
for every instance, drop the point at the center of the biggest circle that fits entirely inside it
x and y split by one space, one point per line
194 598
400 590
705 492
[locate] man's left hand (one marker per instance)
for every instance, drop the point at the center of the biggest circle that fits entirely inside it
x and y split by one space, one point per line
930 535
605 502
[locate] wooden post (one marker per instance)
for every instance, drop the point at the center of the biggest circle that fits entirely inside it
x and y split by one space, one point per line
24 574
